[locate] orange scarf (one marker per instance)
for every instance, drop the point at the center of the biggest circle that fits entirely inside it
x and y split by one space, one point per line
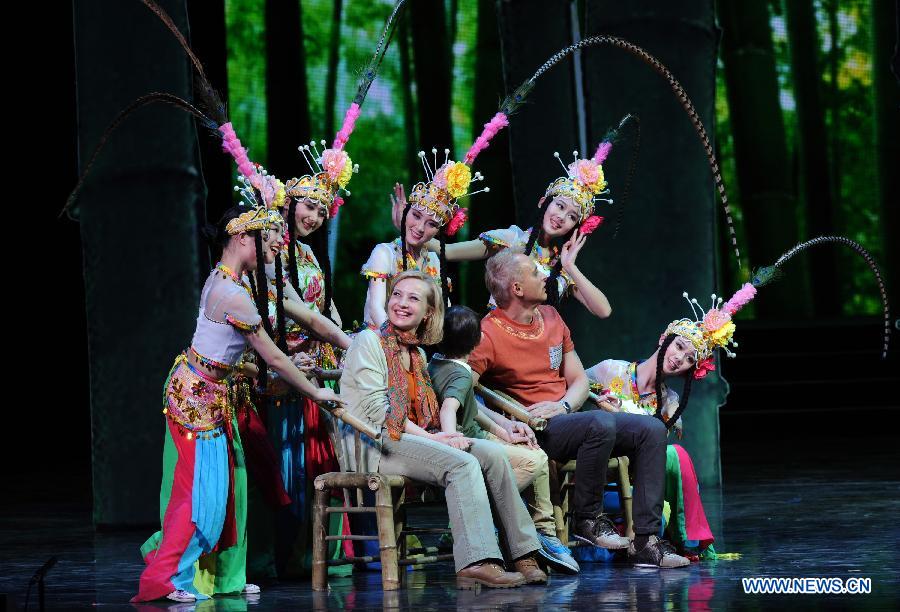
398 386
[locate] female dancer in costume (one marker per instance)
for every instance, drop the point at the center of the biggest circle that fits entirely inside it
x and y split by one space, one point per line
296 427
566 218
433 210
686 350
201 494
421 221
639 387
291 321
386 384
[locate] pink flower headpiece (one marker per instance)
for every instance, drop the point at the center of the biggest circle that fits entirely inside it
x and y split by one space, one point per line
584 182
590 224
713 328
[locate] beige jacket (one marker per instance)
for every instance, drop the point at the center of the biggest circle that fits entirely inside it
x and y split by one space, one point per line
364 388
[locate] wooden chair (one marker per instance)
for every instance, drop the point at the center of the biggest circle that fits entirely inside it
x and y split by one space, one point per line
390 509
618 468
561 476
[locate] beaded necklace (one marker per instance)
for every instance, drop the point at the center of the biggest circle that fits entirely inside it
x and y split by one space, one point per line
636 396
412 263
229 273
543 255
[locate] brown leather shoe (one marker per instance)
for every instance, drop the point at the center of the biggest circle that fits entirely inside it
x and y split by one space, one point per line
487 574
528 567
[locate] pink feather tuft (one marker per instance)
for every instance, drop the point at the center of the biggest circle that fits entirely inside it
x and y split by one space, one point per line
246 169
458 220
602 152
491 128
350 118
740 299
231 144
227 131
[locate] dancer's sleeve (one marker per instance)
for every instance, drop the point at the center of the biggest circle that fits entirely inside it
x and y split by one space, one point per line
671 403
380 263
495 240
601 373
240 312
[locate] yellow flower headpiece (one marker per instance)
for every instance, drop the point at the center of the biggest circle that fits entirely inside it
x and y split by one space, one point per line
714 328
444 186
330 173
584 181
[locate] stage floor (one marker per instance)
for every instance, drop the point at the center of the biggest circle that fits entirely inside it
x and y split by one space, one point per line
806 515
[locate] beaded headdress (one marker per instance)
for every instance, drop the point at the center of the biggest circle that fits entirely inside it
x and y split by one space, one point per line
444 186
261 192
255 219
438 195
583 182
711 329
330 171
262 196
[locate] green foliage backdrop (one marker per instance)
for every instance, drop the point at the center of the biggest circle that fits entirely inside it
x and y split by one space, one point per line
845 64
381 147
379 144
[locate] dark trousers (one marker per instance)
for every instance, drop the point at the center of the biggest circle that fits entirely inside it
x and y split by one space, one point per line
591 437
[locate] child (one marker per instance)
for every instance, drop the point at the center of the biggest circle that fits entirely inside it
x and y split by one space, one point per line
451 377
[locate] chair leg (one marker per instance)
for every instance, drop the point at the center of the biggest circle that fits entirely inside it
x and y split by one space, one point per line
387 539
397 498
564 518
320 546
625 496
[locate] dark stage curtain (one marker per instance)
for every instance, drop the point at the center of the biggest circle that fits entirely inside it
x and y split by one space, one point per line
138 219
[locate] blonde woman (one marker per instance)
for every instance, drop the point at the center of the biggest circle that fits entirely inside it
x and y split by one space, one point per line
386 383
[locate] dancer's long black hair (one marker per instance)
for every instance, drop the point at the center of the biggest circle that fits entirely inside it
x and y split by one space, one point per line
686 393
217 236
442 256
318 244
537 232
258 288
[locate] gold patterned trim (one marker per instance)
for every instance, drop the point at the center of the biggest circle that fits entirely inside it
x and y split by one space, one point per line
515 331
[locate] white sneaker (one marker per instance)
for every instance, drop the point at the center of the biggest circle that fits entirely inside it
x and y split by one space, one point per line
251 589
181 596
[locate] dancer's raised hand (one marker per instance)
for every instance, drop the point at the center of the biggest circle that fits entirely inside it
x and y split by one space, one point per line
571 249
398 203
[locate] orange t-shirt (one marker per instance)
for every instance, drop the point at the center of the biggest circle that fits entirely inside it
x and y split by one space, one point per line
523 360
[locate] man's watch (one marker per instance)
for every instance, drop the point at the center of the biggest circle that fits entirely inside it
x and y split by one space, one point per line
567 405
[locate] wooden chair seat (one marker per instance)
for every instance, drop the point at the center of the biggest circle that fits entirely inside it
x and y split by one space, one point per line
391 505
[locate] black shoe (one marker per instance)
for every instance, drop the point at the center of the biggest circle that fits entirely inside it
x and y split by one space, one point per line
600 532
657 553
